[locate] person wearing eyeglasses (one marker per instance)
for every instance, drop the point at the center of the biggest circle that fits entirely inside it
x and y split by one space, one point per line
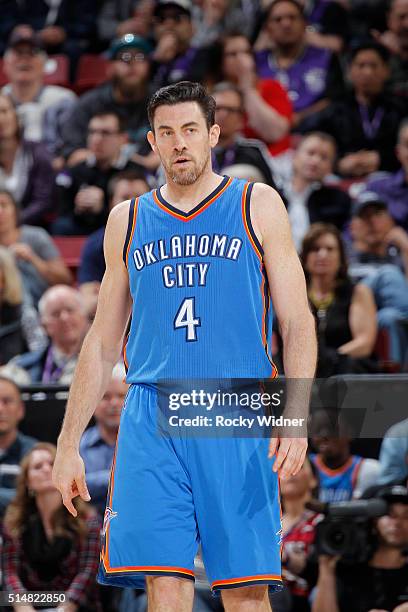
83 189
125 93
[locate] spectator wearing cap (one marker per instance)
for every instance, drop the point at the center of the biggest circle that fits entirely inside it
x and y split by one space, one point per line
395 38
393 187
63 316
232 147
13 444
308 197
25 168
175 58
64 26
123 186
380 583
365 122
82 190
377 240
24 65
268 111
378 258
394 455
311 75
125 93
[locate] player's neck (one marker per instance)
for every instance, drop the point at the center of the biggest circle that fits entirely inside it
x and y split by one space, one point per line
186 197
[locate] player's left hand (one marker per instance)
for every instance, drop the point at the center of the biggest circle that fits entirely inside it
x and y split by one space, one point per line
290 455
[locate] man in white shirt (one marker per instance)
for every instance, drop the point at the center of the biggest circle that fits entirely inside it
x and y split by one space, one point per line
24 65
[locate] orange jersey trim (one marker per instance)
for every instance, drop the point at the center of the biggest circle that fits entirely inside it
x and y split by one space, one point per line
198 212
330 472
246 579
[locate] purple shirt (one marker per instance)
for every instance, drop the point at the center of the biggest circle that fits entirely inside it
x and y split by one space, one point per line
394 190
305 80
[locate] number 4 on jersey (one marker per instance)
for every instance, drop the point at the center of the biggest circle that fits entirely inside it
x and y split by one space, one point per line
185 317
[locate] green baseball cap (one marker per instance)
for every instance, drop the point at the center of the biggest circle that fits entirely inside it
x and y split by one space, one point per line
129 41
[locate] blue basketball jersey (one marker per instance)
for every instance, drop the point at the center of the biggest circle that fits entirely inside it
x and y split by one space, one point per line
201 301
337 485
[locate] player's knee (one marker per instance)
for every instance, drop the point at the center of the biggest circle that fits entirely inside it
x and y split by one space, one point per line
246 599
169 593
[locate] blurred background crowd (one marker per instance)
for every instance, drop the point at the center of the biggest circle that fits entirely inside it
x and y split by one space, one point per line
312 99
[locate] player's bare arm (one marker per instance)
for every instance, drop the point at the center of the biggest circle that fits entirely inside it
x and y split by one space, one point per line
289 297
100 352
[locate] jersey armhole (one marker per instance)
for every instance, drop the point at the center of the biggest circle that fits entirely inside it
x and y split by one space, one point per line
130 229
246 214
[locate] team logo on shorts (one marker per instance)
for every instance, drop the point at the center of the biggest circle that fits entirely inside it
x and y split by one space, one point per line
108 516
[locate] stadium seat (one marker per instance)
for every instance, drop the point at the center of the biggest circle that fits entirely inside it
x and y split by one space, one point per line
57 71
70 248
92 71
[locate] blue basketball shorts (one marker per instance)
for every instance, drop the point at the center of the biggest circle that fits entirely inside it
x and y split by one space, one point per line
168 494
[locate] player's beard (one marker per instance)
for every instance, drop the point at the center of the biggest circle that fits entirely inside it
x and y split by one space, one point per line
187 176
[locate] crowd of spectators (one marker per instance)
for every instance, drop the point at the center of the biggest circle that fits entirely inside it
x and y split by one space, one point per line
312 99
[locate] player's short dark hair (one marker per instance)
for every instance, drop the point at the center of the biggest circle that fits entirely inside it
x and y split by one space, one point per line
370 45
294 3
110 113
133 174
184 91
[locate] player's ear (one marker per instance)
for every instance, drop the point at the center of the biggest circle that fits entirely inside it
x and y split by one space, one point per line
214 134
151 140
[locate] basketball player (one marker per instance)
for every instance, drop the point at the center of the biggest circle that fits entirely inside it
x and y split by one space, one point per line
195 264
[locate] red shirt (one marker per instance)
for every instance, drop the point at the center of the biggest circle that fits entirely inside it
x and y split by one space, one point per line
275 96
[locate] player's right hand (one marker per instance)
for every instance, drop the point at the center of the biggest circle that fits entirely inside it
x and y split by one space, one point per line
68 476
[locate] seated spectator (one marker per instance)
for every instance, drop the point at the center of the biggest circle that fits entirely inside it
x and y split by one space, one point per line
341 475
24 66
25 168
38 260
298 535
394 455
65 26
62 312
232 149
393 189
268 111
82 190
379 583
115 19
345 313
125 94
377 240
365 122
98 442
45 548
13 444
174 57
311 75
395 38
309 199
123 186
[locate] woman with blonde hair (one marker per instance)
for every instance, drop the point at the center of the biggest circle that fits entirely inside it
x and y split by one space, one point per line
45 548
